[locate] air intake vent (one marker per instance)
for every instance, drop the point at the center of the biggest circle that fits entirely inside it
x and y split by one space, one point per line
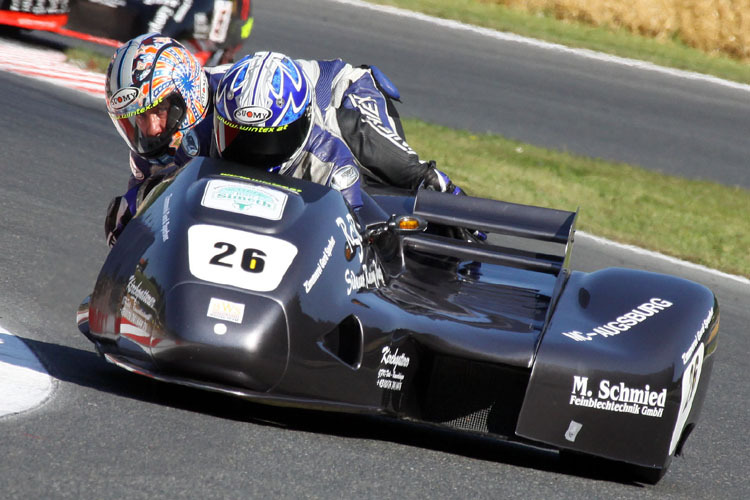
474 396
345 342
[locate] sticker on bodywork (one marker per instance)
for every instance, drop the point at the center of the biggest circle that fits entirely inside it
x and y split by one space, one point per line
690 380
220 21
391 369
320 265
243 259
624 322
245 199
573 429
225 310
618 397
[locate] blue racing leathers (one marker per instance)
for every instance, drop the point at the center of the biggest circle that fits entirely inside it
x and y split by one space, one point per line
356 104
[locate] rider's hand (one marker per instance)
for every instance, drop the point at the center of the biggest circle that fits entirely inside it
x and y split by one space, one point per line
118 215
438 181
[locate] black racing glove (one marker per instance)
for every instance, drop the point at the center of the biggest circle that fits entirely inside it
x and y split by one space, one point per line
438 181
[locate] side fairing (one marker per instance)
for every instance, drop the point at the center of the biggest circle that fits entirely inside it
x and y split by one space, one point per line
622 367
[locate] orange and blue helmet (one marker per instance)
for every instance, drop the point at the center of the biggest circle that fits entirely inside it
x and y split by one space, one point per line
263 110
154 74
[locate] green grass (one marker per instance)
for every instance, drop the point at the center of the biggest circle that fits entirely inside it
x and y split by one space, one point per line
88 59
701 222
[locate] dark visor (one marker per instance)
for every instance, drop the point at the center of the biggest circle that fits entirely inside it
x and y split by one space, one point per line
263 147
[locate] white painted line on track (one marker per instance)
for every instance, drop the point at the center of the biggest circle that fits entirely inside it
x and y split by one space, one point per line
666 258
511 37
24 383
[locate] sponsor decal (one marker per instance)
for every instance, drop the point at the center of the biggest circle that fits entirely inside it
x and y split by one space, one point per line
624 322
144 296
38 7
251 115
690 380
179 8
698 336
352 236
252 128
123 98
205 94
344 177
200 25
368 108
221 20
165 218
243 259
618 397
370 277
135 323
320 266
246 199
160 18
573 429
183 10
130 311
389 376
142 110
267 183
225 310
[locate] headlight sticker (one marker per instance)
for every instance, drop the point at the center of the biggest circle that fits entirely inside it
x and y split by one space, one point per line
245 199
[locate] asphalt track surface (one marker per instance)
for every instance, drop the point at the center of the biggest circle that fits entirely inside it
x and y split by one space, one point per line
105 433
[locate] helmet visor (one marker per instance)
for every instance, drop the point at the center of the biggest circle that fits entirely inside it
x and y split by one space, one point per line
263 147
149 131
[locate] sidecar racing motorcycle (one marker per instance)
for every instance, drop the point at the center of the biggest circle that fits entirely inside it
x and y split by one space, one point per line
269 288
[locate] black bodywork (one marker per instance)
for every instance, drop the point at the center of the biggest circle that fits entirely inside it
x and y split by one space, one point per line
270 288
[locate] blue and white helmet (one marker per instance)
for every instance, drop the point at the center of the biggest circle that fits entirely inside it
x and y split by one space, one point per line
263 110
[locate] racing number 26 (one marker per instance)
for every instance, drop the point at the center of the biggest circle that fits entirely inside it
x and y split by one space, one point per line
252 259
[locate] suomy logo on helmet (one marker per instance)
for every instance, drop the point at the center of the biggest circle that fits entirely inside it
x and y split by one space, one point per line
123 97
252 114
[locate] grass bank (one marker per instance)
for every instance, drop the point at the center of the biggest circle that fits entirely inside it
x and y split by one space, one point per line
701 222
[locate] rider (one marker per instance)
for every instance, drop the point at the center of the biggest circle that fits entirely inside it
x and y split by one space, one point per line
269 115
160 100
316 120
